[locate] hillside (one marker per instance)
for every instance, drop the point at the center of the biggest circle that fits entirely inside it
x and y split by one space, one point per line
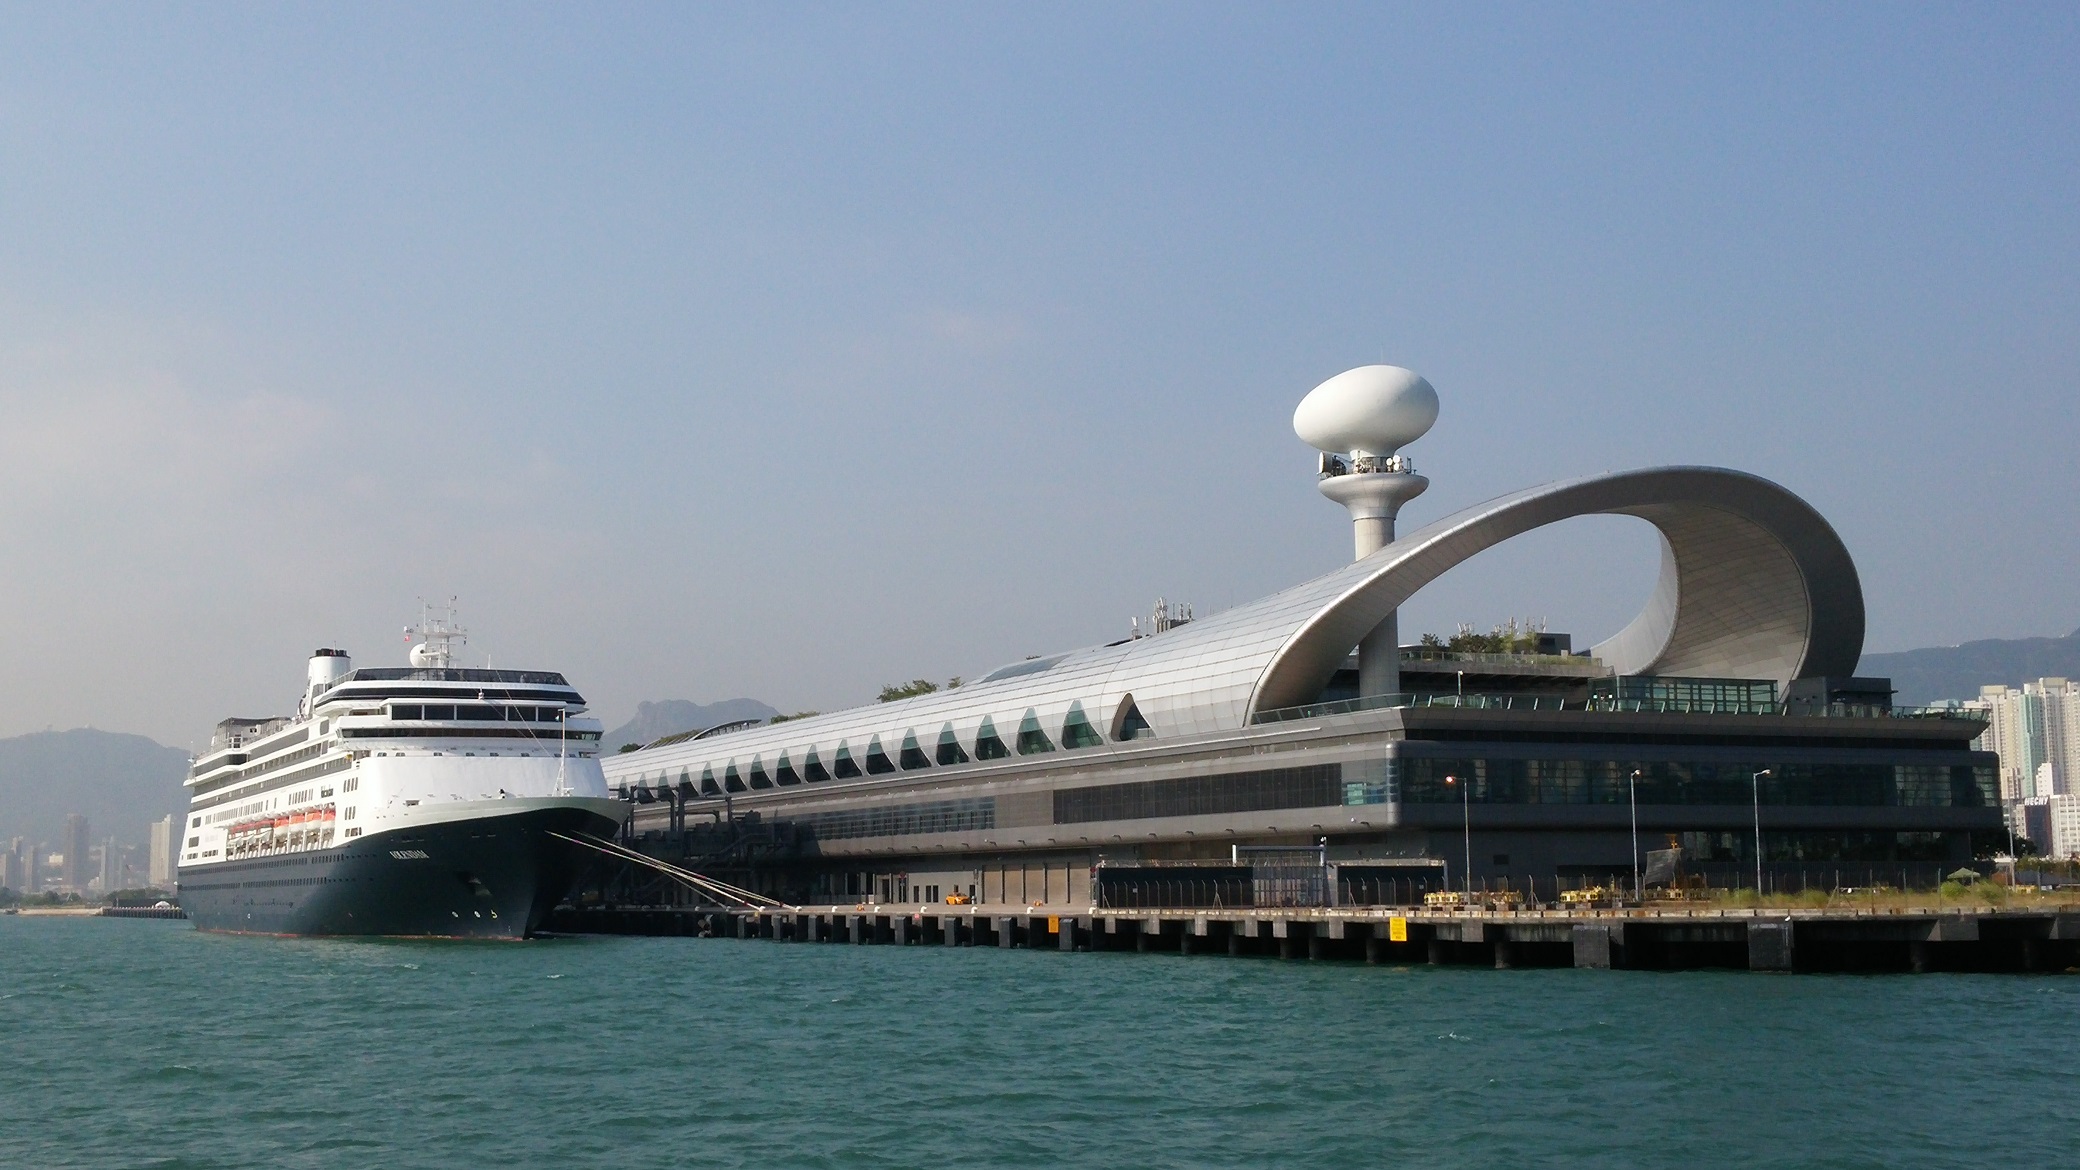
121 782
1957 672
672 716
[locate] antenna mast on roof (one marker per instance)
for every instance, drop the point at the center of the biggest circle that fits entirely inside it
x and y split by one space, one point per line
437 634
1167 616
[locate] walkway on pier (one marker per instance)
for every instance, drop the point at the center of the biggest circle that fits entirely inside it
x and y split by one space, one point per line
1645 938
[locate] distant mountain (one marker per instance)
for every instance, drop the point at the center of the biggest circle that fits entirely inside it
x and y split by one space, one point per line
1957 672
672 716
121 782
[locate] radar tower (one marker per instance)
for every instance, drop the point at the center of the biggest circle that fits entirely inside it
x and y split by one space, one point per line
1359 420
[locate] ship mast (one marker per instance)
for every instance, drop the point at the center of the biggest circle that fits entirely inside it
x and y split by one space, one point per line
437 635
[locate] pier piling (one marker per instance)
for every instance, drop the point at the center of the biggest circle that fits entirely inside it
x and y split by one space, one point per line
1671 938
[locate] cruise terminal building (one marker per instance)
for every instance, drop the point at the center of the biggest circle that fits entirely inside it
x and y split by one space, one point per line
1292 750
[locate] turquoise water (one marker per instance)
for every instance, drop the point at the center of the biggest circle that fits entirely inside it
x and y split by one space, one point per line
138 1043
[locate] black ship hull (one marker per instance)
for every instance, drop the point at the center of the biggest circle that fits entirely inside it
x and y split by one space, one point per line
492 876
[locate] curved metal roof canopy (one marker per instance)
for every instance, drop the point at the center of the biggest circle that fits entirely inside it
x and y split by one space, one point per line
1754 583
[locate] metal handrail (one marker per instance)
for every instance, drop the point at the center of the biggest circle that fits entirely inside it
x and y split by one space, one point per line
1607 705
1496 658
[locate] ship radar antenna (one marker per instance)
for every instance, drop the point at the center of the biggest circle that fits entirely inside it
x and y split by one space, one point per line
437 636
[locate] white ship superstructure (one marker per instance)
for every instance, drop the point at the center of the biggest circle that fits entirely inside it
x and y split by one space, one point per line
427 799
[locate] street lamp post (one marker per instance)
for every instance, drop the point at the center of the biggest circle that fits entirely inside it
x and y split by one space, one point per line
1639 889
1758 827
1465 827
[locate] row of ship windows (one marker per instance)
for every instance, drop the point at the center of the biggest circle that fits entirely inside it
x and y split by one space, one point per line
480 713
351 784
1032 739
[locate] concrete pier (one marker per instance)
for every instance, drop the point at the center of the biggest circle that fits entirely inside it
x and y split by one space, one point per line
1651 938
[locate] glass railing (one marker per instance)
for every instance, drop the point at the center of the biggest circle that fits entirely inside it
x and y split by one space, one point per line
1678 706
1335 465
1606 705
1967 714
1478 702
1477 658
453 674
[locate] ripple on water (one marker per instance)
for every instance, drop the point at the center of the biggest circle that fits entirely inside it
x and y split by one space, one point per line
668 1052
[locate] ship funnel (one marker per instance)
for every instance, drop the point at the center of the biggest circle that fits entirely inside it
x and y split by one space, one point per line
328 667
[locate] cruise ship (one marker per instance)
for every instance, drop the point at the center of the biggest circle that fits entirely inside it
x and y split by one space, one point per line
428 800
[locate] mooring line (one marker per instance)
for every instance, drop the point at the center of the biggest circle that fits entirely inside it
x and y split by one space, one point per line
720 889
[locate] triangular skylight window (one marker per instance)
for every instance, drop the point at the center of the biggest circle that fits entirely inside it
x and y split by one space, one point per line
1077 731
987 745
950 750
1130 724
912 756
878 763
1032 740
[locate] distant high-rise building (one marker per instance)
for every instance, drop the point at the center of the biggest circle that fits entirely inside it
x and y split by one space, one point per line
163 830
2036 730
111 878
32 876
75 872
2052 824
12 869
2065 825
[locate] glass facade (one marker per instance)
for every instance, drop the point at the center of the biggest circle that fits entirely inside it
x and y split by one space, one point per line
1815 846
1312 786
1712 696
1510 781
929 816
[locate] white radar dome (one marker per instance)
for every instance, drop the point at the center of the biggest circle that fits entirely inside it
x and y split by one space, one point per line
1372 410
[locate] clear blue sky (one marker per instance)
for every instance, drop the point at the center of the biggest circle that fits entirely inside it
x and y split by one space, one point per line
716 351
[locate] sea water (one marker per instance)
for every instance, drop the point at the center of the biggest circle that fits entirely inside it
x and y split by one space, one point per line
138 1043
